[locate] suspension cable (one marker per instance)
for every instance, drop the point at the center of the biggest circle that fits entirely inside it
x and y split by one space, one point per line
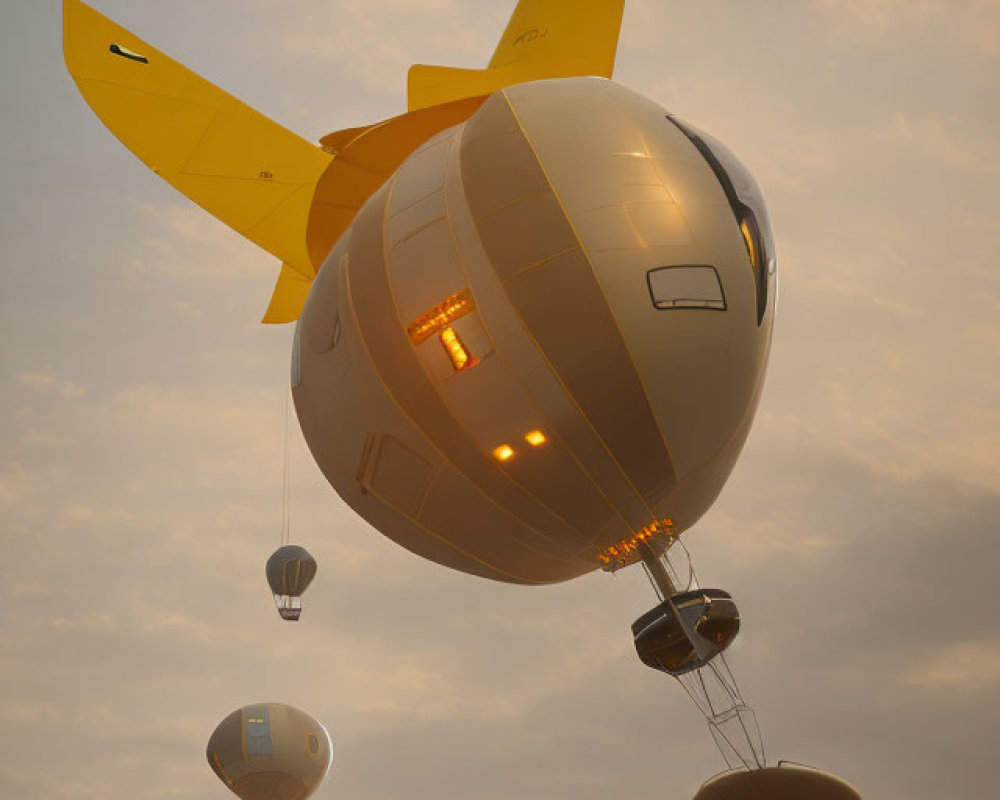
286 494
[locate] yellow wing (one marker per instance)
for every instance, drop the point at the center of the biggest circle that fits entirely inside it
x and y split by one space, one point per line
544 39
238 165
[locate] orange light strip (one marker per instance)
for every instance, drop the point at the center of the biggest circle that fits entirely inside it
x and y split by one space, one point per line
441 316
626 552
455 348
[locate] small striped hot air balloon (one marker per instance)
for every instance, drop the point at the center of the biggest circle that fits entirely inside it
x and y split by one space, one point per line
290 570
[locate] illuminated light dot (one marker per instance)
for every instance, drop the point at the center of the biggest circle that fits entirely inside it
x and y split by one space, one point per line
503 453
535 438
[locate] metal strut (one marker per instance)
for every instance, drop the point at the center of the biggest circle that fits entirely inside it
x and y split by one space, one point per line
711 686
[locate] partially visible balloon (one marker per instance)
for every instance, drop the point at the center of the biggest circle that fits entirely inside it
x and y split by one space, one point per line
784 782
270 751
290 570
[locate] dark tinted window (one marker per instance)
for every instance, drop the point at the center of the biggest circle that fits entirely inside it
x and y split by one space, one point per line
747 201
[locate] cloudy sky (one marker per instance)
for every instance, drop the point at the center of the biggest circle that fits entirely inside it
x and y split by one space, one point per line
141 433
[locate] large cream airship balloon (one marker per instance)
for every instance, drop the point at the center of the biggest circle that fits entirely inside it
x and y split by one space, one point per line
534 312
539 306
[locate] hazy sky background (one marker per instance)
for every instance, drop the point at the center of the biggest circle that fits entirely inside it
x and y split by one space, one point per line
141 433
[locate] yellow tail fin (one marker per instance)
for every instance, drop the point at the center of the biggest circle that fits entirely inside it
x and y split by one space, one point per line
544 39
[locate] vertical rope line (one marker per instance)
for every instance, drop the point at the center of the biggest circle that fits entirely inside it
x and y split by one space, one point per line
286 504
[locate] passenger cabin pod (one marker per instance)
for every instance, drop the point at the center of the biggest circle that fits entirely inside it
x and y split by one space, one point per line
662 634
290 570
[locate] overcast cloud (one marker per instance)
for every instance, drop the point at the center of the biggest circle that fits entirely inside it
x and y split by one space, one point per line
141 434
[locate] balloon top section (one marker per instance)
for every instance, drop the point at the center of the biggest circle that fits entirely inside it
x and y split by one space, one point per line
784 782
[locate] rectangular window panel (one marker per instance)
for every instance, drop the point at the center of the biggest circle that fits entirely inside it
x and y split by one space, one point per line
258 732
686 287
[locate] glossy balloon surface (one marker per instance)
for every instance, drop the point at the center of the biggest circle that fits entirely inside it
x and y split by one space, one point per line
270 751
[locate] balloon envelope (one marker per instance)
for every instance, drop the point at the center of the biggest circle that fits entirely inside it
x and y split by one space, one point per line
270 751
290 570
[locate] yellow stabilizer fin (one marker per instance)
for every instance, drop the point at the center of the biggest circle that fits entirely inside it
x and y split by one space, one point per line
289 296
544 39
365 162
238 165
